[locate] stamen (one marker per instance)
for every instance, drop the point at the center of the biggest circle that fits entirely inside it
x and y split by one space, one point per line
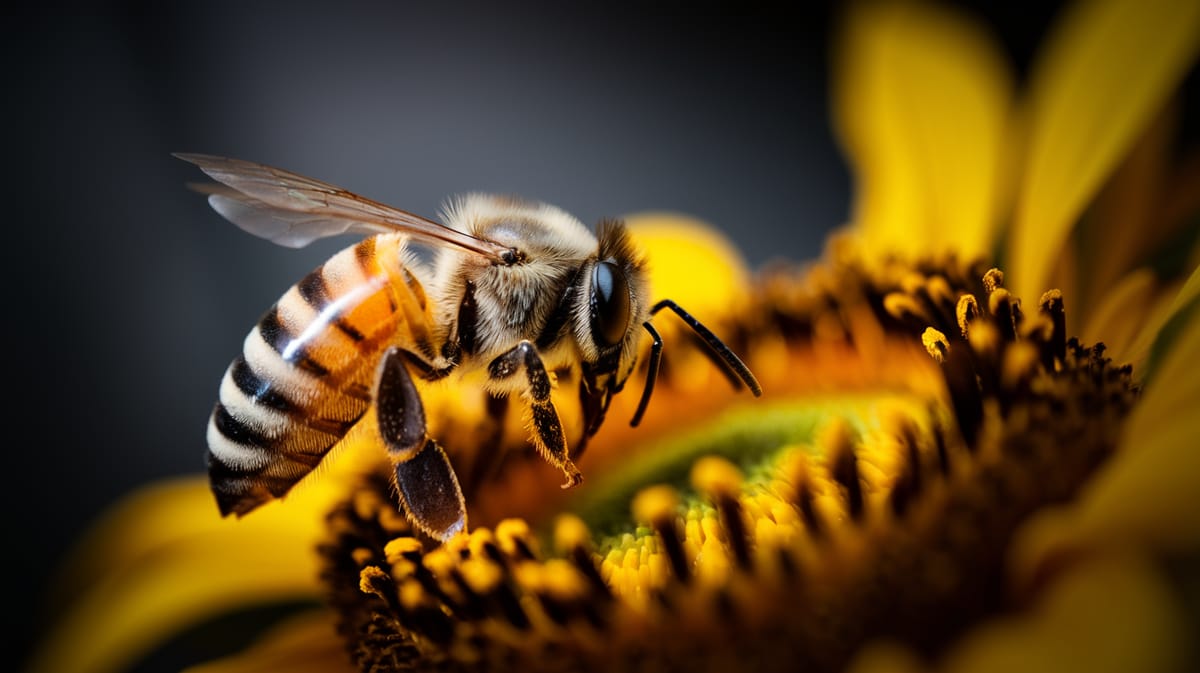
901 425
984 339
372 580
939 291
561 590
720 481
481 544
570 532
904 307
419 613
966 311
936 344
658 506
1051 305
1000 305
798 473
942 300
515 539
1039 330
837 445
993 280
573 539
966 395
1020 361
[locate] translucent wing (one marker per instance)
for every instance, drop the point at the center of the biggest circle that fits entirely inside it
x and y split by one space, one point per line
293 210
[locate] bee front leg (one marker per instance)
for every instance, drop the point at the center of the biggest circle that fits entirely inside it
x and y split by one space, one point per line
425 480
548 433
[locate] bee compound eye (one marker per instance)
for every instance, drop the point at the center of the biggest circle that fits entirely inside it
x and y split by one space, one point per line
609 304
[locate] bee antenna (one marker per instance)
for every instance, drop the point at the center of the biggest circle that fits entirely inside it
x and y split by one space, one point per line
722 355
651 374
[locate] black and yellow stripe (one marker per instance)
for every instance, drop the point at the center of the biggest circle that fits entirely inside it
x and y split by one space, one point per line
307 370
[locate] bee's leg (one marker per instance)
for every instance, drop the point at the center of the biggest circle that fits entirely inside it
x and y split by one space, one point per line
425 480
548 433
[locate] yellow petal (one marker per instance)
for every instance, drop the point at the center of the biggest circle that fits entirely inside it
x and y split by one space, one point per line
1146 495
177 510
921 103
1172 395
163 560
263 558
1128 222
1107 71
690 262
141 522
1109 614
1120 313
305 643
1169 301
886 657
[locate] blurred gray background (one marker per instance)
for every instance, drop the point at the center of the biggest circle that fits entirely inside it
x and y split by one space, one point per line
132 296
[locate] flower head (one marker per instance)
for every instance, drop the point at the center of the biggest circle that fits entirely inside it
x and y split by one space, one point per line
948 468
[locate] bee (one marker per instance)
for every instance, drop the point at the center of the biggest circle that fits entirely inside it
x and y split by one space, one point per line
518 288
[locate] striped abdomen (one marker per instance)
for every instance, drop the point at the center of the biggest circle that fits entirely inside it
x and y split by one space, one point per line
307 370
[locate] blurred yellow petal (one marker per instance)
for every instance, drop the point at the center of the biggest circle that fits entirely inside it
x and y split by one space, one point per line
1127 223
694 264
921 103
141 603
164 514
1167 307
173 511
1149 492
163 560
1120 313
1190 292
1176 391
1112 614
1108 70
307 642
691 262
136 607
155 515
886 657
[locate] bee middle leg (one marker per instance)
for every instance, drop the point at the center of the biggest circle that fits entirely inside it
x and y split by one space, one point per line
425 480
548 433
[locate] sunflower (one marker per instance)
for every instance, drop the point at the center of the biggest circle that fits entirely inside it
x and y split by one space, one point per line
952 467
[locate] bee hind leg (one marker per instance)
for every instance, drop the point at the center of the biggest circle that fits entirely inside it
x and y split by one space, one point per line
548 433
425 480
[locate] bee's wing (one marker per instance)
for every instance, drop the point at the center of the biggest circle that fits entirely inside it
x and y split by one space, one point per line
289 228
293 210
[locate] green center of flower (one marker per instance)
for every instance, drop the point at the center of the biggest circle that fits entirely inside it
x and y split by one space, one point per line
755 439
754 455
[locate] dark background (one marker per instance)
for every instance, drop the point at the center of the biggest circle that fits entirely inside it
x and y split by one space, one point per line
132 296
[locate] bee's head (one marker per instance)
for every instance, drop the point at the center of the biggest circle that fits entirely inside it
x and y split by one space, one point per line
611 310
611 303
